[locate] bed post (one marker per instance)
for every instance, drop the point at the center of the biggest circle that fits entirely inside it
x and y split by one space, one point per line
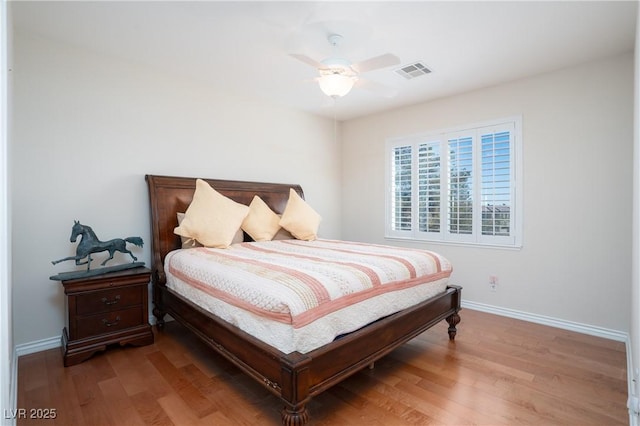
294 373
158 306
454 318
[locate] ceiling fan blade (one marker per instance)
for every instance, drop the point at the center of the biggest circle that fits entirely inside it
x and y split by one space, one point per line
377 88
307 60
375 63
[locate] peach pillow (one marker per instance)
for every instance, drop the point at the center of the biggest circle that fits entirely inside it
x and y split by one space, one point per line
299 218
261 223
211 219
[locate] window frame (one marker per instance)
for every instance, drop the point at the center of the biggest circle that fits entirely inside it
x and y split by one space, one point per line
441 139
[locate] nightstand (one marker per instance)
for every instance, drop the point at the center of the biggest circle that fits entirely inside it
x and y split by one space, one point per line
105 310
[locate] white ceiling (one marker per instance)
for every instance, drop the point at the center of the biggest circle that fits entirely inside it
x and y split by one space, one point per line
243 47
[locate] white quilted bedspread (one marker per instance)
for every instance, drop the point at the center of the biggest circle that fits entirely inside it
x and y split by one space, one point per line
299 295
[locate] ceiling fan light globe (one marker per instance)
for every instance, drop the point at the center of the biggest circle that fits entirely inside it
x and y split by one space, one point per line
336 85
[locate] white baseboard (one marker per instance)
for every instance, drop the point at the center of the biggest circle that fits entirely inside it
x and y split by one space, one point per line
38 346
592 330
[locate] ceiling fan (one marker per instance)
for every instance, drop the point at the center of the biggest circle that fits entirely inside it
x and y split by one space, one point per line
338 75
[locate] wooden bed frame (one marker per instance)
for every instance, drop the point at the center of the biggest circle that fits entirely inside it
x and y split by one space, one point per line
295 377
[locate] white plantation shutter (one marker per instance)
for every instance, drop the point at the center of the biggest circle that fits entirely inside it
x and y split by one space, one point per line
496 183
401 170
460 194
429 189
462 186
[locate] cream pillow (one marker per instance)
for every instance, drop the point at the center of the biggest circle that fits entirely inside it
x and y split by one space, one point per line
261 223
191 243
299 218
211 219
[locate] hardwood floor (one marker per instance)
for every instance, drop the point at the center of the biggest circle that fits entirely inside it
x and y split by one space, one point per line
499 371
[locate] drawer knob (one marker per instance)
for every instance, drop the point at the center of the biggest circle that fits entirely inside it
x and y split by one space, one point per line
113 301
107 323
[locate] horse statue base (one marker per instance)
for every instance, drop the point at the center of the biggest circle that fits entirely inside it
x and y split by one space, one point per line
72 275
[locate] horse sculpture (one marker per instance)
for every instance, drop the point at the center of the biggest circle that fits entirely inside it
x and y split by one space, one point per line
89 243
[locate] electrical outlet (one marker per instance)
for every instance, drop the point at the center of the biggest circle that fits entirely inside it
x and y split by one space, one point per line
493 282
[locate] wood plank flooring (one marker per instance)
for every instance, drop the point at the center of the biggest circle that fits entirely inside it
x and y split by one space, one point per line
499 371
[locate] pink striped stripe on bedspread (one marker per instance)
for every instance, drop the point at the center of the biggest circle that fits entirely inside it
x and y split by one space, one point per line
296 282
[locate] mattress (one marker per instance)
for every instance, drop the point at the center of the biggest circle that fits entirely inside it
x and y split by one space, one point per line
299 295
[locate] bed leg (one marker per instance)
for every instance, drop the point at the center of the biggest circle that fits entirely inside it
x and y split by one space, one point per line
295 417
159 314
453 320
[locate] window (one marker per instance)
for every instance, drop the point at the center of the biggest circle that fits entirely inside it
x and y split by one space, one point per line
460 185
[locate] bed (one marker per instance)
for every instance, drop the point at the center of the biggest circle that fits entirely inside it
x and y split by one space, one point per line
295 376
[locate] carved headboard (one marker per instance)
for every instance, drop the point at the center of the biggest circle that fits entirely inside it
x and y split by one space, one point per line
169 195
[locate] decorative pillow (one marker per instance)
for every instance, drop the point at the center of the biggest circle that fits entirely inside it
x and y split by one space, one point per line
191 243
211 219
261 223
299 218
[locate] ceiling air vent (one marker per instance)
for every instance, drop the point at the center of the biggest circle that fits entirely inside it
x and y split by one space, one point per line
413 70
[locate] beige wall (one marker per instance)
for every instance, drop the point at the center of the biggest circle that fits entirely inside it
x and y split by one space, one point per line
575 264
87 128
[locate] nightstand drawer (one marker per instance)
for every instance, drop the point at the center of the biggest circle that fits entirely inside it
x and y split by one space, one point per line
108 322
109 300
